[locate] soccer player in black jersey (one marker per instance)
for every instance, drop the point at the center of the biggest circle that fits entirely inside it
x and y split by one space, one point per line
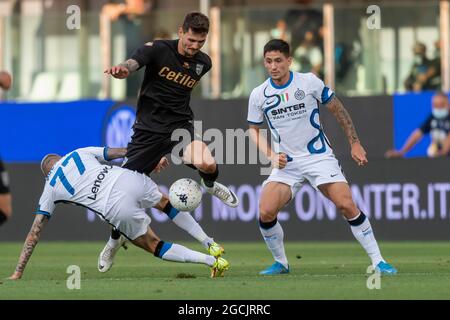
172 69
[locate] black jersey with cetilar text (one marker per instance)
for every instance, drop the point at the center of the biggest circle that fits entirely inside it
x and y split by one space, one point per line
163 103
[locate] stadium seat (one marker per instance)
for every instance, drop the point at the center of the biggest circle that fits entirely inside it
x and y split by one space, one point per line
70 87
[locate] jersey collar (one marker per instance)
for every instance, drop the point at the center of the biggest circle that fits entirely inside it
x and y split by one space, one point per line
291 76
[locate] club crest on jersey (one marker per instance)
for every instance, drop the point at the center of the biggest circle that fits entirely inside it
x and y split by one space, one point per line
199 68
299 94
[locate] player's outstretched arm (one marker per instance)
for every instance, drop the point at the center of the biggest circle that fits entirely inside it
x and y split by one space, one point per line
124 69
116 153
412 140
342 116
28 247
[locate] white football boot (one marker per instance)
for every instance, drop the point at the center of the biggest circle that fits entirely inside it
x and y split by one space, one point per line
223 193
106 258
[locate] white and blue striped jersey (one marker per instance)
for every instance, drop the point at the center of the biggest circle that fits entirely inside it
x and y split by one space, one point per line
292 113
79 177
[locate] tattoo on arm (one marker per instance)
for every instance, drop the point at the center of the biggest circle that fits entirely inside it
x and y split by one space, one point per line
131 64
31 241
342 116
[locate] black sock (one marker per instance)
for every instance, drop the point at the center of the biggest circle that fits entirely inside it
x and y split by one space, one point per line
3 217
358 220
158 248
170 210
209 178
115 234
191 166
267 225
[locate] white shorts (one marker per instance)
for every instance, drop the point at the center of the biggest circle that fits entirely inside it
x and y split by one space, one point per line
312 170
132 193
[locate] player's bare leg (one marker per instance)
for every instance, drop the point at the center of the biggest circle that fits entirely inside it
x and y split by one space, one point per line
198 154
274 196
178 253
339 193
186 221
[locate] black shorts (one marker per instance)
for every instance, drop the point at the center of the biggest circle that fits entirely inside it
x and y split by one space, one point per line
4 179
147 148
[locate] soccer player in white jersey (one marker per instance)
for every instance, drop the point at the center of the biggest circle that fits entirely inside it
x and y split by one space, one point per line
290 103
119 196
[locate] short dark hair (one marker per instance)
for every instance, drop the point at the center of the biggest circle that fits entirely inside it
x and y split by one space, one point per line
197 22
278 45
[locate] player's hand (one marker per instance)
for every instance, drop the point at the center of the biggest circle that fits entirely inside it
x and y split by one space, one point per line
393 154
118 72
163 164
359 154
15 276
113 11
279 160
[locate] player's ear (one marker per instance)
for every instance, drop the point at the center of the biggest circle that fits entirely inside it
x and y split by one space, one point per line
289 59
180 32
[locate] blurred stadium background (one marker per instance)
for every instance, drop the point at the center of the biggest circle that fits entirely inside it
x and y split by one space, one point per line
60 100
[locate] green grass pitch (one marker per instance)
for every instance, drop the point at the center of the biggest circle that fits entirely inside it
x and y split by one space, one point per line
319 270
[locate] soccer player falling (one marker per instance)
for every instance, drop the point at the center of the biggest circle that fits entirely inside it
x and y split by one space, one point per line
302 152
119 196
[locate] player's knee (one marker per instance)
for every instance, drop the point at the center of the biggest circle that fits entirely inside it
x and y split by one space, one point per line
267 212
346 206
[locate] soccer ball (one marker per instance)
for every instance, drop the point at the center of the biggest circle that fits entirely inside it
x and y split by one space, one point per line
185 194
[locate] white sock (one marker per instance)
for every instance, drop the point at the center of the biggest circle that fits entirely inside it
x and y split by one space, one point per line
274 240
186 221
178 253
364 234
114 243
